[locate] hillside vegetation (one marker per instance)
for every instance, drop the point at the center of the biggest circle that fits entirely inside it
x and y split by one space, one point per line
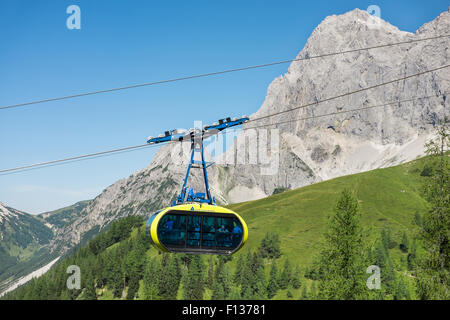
278 261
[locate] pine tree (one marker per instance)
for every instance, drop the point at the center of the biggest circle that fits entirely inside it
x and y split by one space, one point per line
238 274
217 290
286 275
386 238
169 277
388 277
404 245
259 285
254 284
270 246
194 284
150 280
222 276
133 287
295 281
210 277
342 264
247 277
89 291
314 295
235 294
412 255
418 219
433 272
401 290
273 286
304 294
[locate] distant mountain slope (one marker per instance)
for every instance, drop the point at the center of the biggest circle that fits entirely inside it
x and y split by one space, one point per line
388 197
23 240
65 216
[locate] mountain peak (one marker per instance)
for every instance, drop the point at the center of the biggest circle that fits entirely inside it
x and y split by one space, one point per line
438 26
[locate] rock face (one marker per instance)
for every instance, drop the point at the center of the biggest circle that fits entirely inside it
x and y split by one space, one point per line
315 149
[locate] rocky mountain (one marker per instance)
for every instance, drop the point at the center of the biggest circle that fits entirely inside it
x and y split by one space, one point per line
309 150
65 216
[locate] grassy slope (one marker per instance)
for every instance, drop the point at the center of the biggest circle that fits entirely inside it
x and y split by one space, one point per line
387 197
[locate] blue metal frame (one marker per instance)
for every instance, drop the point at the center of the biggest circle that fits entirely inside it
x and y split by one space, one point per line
196 137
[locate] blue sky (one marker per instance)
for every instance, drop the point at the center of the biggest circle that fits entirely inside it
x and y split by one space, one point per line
128 42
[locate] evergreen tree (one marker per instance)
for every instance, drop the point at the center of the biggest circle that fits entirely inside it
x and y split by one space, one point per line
295 281
418 219
210 277
386 238
286 275
150 281
235 294
404 245
247 277
89 291
270 246
342 263
289 294
259 285
412 255
380 254
169 277
433 272
304 294
254 280
388 277
314 295
194 284
222 281
217 290
401 290
248 294
133 287
240 266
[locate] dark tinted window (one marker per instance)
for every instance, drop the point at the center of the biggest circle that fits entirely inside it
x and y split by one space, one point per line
200 231
193 231
209 232
172 229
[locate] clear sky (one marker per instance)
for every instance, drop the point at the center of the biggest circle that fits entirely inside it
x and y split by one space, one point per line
127 42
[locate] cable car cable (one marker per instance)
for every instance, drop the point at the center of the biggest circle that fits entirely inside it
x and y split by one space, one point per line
350 93
132 148
202 75
341 112
71 159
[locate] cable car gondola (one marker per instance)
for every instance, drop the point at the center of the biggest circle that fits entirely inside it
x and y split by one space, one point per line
197 228
194 224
